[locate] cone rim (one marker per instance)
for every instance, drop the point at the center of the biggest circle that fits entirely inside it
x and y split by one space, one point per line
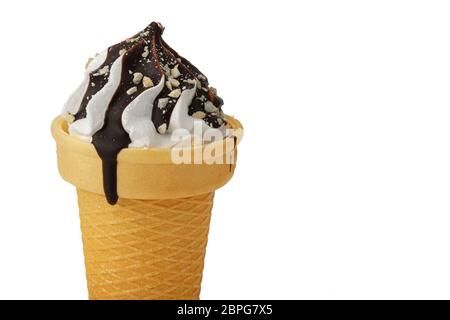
152 155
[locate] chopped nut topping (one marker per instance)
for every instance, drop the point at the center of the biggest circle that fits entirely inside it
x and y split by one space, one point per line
213 91
212 94
166 70
70 118
122 51
201 77
102 71
137 77
179 60
147 82
191 81
199 84
169 85
162 103
132 40
88 62
210 107
174 82
146 52
175 93
131 91
199 115
162 128
175 72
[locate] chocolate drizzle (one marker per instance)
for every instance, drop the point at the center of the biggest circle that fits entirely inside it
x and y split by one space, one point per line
112 137
146 60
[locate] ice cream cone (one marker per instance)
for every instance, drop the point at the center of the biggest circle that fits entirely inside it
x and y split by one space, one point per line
151 244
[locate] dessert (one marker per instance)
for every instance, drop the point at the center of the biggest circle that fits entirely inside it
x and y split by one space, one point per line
144 216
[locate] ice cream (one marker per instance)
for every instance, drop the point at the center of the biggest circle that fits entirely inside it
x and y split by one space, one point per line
118 138
136 94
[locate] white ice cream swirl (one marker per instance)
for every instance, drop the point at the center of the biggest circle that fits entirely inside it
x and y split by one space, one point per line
146 84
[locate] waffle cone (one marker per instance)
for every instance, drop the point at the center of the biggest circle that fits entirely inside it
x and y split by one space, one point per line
151 244
144 249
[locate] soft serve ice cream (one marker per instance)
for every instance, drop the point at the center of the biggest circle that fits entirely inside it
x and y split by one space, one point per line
137 93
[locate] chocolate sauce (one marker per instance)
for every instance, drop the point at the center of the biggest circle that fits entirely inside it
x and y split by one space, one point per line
112 137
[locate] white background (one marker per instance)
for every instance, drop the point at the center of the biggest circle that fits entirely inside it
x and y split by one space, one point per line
343 179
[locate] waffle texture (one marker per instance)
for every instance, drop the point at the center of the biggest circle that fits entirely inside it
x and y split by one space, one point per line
144 249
